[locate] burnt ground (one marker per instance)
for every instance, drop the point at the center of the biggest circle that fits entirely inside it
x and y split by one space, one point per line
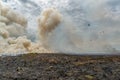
59 67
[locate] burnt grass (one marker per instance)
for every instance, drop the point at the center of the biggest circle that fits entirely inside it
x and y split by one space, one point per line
59 67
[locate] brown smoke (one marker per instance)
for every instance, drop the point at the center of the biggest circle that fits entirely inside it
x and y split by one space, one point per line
48 21
12 23
12 34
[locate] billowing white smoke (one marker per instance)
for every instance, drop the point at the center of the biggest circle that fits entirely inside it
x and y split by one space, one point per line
13 39
56 33
68 36
11 23
83 26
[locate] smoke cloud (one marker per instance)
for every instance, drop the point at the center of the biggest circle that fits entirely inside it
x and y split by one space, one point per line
71 37
13 39
74 27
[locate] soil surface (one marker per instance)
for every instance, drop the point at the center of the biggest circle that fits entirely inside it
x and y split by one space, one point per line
59 67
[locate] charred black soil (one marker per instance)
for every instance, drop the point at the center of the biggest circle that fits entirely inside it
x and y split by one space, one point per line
59 67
